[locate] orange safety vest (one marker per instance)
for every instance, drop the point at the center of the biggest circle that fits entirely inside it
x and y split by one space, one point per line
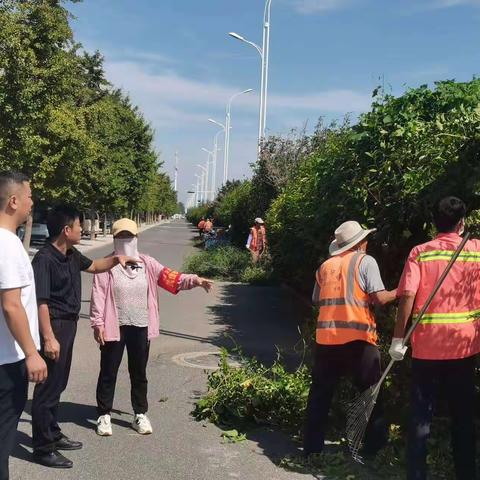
344 314
208 226
201 224
259 236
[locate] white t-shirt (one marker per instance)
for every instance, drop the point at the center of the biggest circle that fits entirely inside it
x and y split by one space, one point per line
16 272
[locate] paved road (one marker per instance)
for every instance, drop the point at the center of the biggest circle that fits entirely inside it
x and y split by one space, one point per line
180 448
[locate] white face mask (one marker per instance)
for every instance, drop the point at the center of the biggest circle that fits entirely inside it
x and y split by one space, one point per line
126 246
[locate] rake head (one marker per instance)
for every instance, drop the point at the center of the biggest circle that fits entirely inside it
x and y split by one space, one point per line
359 412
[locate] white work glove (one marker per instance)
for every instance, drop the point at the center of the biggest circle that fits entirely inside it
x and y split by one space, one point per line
397 349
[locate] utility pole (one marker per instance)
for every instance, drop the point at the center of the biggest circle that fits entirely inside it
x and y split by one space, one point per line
175 181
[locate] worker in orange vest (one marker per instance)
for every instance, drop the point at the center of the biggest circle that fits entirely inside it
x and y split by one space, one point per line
201 225
257 240
208 225
346 286
446 340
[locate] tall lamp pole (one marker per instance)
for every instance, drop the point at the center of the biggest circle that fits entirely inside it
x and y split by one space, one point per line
228 126
215 151
264 53
197 190
204 182
210 154
175 182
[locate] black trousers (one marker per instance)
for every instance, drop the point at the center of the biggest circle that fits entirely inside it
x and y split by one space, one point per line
457 376
138 346
13 396
358 360
46 396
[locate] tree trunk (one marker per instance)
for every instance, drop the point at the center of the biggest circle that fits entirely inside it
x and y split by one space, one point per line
28 232
105 224
92 228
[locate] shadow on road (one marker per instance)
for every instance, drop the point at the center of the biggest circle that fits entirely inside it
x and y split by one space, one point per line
84 416
263 321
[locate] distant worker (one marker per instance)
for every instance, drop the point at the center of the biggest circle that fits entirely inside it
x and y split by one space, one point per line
257 240
347 284
201 225
208 225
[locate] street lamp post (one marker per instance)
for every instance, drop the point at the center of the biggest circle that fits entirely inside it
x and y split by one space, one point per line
210 154
228 126
175 181
197 190
204 182
264 55
215 151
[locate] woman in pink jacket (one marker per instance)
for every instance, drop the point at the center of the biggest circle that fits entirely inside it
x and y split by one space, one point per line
124 313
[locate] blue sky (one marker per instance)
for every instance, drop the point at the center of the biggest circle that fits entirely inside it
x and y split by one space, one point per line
179 66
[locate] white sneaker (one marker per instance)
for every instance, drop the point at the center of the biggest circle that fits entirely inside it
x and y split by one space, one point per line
104 426
142 424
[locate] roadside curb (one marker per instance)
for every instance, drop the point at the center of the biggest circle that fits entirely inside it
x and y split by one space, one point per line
87 246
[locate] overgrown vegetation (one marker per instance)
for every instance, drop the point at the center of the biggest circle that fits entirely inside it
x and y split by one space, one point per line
254 395
386 170
228 263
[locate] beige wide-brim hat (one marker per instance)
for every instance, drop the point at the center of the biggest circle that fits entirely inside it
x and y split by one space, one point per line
347 235
259 221
124 225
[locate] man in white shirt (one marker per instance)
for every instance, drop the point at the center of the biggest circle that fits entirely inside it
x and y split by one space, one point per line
20 361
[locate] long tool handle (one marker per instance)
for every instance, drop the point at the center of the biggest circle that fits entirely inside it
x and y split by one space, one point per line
424 308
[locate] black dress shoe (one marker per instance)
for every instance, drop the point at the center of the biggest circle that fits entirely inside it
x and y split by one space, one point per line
53 460
66 444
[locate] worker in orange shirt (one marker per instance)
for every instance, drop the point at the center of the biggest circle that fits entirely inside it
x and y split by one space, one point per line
257 240
208 225
347 284
201 225
445 342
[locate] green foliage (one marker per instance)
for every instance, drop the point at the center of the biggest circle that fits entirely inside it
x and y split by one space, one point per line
254 394
244 397
194 215
386 172
231 264
226 263
63 124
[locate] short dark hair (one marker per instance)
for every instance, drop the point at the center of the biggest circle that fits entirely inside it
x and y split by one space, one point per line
59 217
447 212
7 179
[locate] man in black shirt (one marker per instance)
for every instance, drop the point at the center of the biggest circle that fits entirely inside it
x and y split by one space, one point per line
57 268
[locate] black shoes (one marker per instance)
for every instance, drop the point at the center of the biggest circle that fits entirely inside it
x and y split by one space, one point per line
53 460
66 444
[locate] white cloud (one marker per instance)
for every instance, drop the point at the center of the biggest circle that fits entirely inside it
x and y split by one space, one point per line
309 7
169 99
439 4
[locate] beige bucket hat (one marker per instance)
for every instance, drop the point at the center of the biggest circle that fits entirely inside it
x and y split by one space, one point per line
347 235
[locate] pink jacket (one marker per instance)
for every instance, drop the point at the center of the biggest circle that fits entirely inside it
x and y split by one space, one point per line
103 311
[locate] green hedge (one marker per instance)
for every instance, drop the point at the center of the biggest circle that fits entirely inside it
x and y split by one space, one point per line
386 171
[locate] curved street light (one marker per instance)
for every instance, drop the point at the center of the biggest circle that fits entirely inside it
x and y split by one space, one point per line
264 53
